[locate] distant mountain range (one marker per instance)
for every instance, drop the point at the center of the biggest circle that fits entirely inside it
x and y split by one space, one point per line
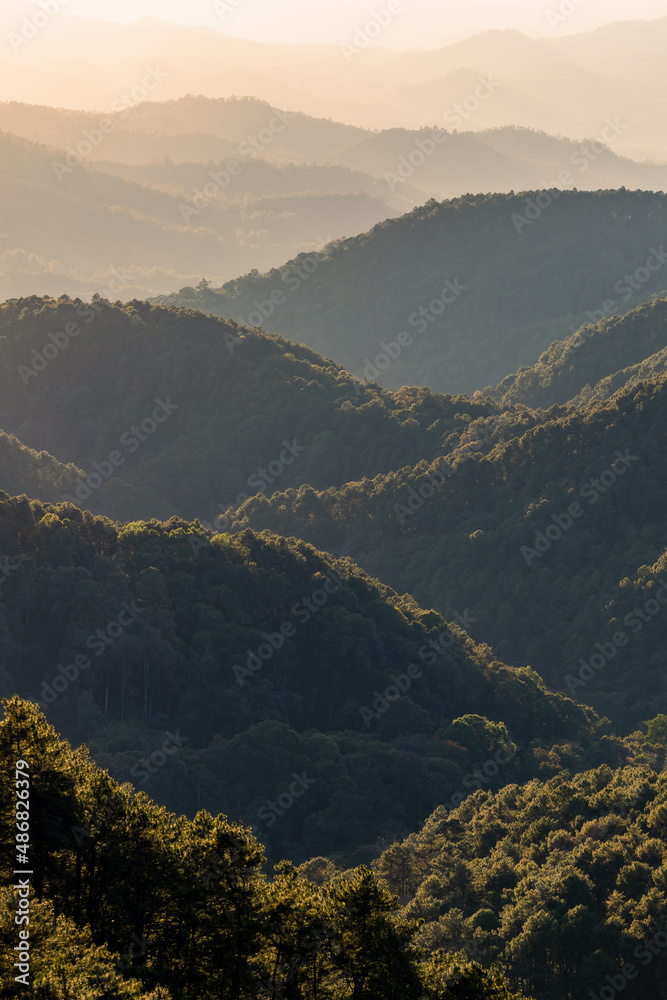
198 187
464 292
565 85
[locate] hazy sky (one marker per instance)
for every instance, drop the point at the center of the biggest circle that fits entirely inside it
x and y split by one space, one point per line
415 22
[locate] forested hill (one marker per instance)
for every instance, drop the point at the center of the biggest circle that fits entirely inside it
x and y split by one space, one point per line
475 288
593 363
38 474
554 541
559 883
256 676
225 412
562 882
131 902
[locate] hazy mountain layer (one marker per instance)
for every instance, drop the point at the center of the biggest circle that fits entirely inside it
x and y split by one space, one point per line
563 85
70 229
458 295
200 411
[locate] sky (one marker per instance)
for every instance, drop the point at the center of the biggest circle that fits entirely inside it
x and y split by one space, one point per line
419 23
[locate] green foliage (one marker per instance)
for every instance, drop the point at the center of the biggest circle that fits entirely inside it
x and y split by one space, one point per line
154 907
496 541
176 698
560 883
456 977
238 397
593 363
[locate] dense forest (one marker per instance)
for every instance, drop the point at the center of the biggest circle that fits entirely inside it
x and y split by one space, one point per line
593 363
562 882
133 902
255 659
237 400
333 541
411 484
537 890
551 543
465 291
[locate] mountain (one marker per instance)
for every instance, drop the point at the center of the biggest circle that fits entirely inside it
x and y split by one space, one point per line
26 471
262 181
458 161
111 870
464 292
593 363
544 531
452 499
149 130
204 187
559 881
259 661
448 163
202 412
563 85
73 229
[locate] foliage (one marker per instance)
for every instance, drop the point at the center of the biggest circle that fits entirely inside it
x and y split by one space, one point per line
216 672
560 883
151 906
496 541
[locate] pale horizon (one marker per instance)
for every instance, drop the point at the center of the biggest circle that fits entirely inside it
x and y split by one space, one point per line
413 23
